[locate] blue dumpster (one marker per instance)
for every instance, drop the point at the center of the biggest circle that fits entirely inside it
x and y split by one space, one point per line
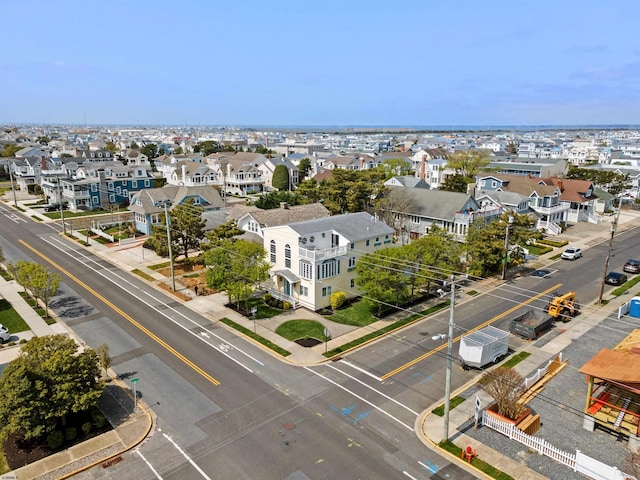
634 307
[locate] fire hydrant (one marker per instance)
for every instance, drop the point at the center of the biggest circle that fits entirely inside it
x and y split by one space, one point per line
469 453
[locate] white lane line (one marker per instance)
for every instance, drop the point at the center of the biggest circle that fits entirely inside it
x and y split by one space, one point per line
355 367
410 476
195 465
113 276
408 427
373 389
149 465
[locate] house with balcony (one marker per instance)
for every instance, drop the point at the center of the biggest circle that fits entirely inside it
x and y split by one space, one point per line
451 212
315 258
543 199
241 173
268 166
256 219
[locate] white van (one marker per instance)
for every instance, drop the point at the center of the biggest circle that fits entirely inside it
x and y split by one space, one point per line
4 334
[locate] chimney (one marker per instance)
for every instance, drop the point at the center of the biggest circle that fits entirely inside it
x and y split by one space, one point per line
184 173
43 163
284 205
560 185
422 167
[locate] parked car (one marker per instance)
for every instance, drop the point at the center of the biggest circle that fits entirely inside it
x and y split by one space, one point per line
632 266
571 253
615 278
54 207
4 334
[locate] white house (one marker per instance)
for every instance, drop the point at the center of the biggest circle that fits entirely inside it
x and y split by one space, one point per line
315 258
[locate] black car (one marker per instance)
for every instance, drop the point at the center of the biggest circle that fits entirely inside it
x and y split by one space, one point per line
615 278
632 266
54 207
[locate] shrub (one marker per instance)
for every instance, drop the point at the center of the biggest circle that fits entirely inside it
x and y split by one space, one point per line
22 340
267 298
86 428
338 299
71 433
286 305
55 439
98 419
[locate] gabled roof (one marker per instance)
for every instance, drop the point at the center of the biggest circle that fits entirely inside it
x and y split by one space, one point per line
572 190
291 214
150 198
521 184
408 181
353 226
437 204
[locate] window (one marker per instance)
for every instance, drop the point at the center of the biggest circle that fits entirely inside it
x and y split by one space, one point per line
328 268
112 198
305 269
287 256
147 183
353 246
352 263
326 291
272 249
367 242
94 187
352 284
134 184
304 291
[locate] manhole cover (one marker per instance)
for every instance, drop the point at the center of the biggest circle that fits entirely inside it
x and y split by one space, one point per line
289 426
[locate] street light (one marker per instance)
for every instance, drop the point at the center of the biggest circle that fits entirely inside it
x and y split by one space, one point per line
166 204
614 225
506 248
447 381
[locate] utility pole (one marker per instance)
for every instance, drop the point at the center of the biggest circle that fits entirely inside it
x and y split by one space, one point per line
13 188
64 227
447 381
506 248
166 204
614 226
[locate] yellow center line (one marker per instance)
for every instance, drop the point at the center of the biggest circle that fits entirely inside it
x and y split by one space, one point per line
444 345
128 317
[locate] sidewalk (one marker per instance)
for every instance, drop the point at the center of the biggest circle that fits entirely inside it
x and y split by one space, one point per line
137 425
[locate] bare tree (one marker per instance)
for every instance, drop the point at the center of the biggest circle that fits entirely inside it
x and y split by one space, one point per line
506 386
104 359
394 208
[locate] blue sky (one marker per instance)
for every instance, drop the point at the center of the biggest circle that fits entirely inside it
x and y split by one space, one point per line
235 62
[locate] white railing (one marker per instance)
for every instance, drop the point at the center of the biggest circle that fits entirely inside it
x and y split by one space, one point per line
595 218
535 378
317 255
552 228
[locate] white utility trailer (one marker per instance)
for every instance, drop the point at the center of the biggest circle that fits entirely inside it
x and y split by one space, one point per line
487 345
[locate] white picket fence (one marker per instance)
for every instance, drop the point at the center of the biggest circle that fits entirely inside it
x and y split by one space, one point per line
578 461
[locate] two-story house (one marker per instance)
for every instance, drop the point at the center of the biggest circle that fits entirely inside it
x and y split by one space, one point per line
312 259
255 219
423 209
543 199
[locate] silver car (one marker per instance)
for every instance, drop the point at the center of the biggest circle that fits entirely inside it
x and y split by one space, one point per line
4 334
571 253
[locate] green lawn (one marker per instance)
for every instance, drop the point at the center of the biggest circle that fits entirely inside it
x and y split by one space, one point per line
296 329
358 314
10 318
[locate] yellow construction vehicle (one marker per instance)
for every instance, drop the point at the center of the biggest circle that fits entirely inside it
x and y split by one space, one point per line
563 307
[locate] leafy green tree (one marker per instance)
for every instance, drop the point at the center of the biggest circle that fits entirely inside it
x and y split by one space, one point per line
396 166
207 147
150 150
264 150
304 167
51 378
391 205
9 150
66 155
111 147
468 163
271 200
187 230
379 276
455 183
511 148
177 150
613 182
236 268
187 226
43 140
308 191
224 231
280 178
43 283
485 244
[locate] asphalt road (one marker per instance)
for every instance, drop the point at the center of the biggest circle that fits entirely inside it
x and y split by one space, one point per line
225 408
228 410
